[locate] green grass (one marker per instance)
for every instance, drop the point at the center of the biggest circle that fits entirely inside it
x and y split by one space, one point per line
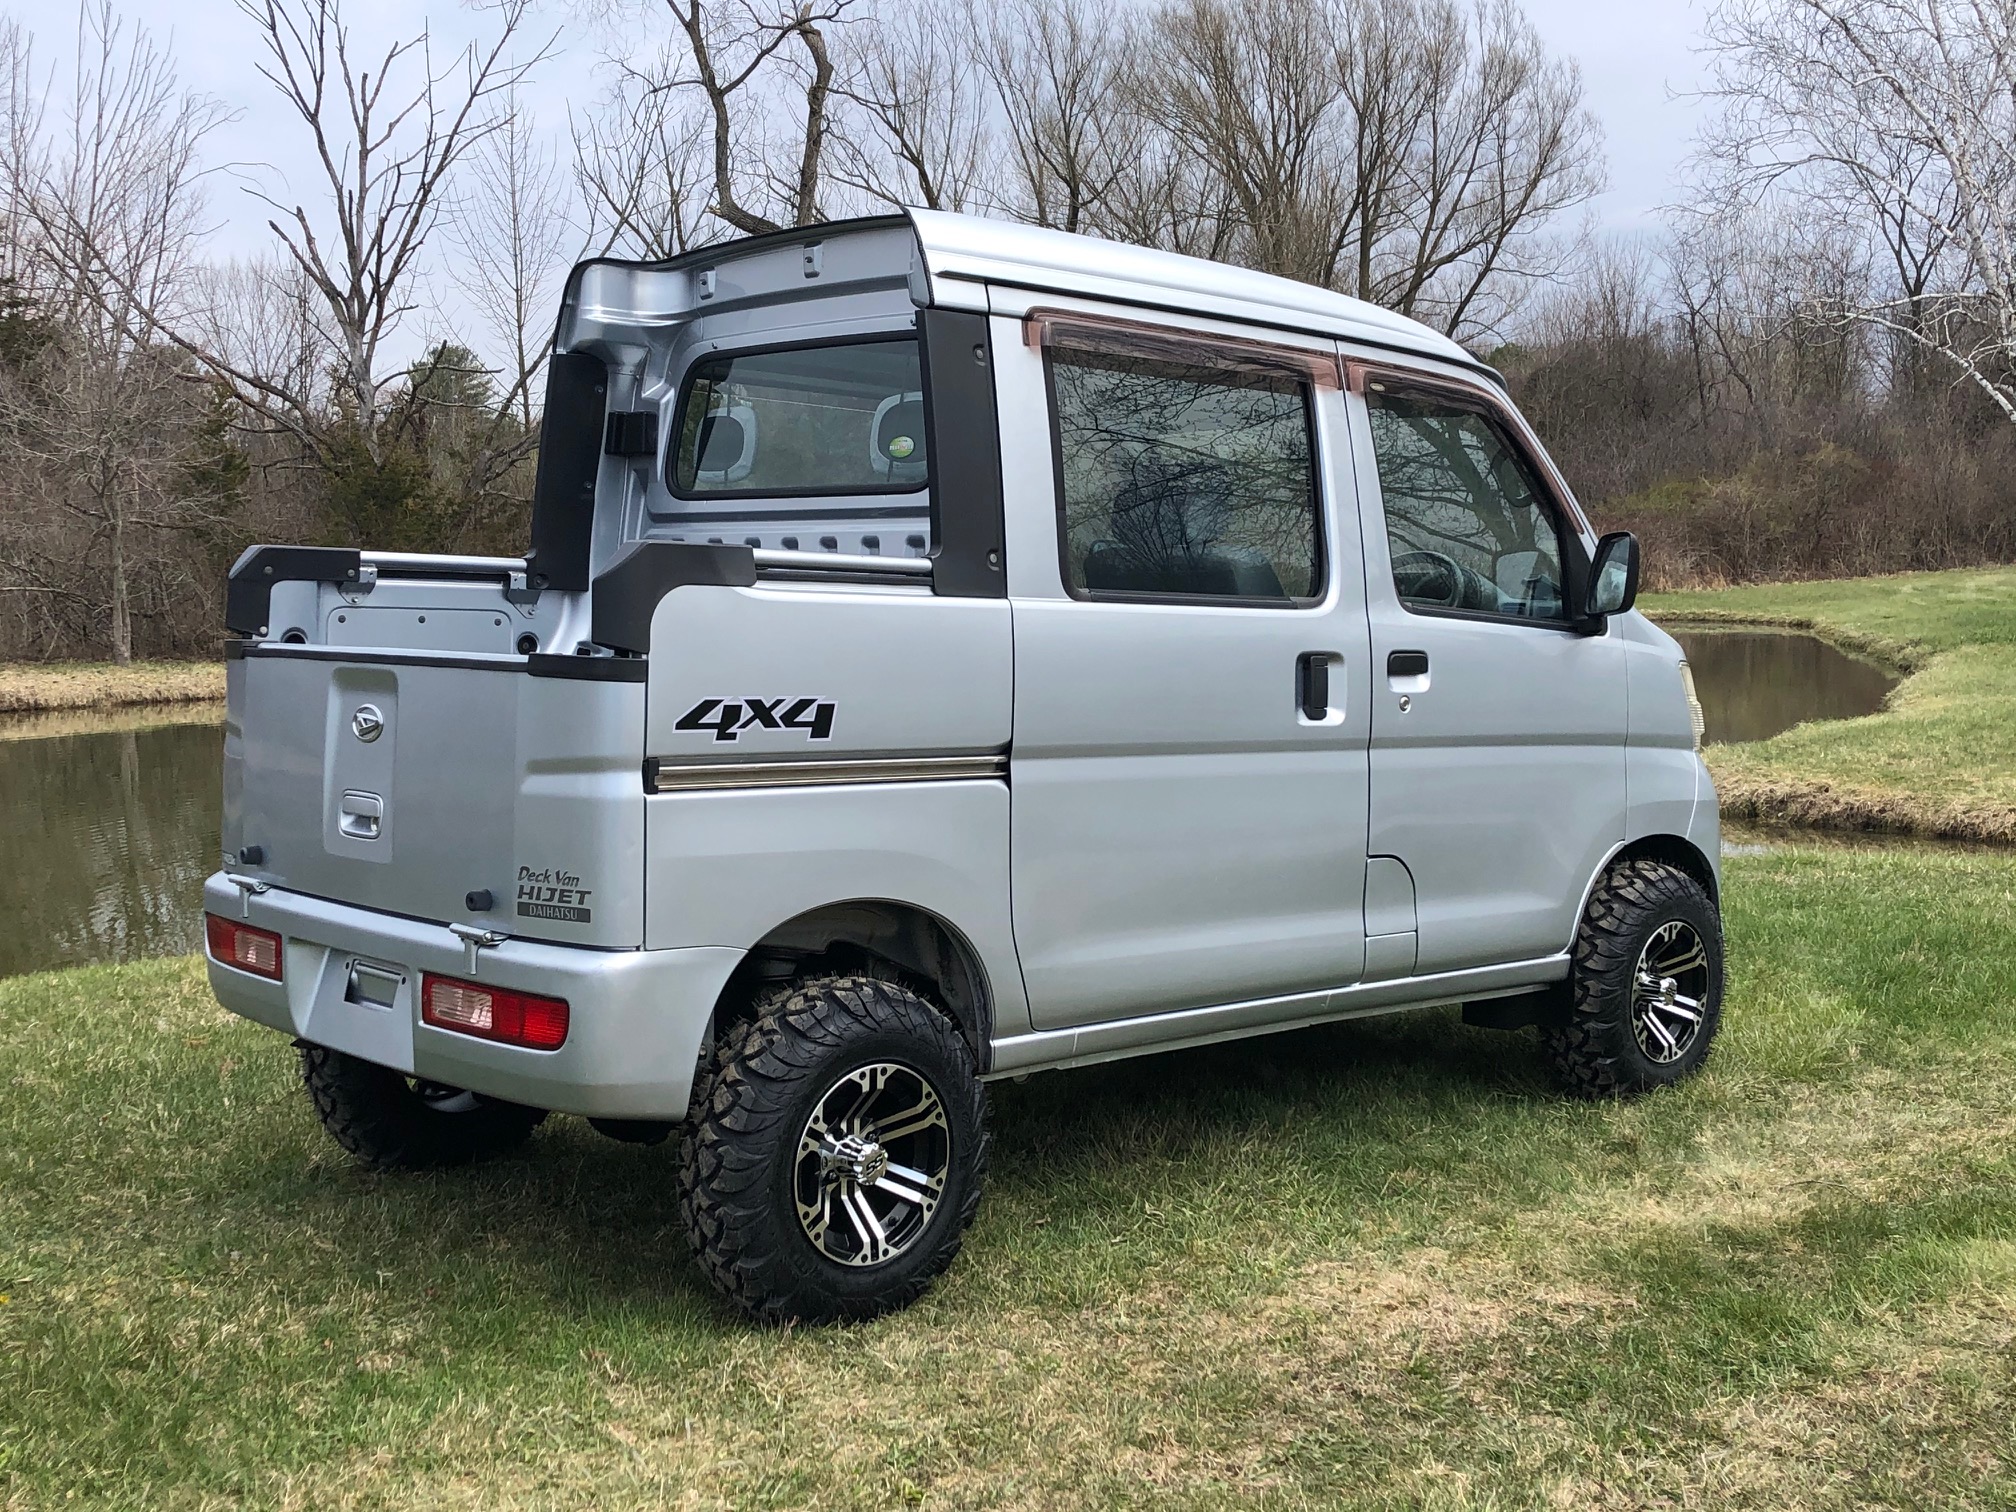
1372 1265
1940 760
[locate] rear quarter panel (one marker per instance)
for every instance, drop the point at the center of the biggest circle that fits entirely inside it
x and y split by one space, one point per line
907 673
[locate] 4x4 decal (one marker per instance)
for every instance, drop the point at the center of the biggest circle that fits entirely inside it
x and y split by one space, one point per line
729 717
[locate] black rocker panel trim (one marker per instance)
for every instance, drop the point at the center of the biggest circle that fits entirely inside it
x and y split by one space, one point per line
627 592
248 594
965 455
570 456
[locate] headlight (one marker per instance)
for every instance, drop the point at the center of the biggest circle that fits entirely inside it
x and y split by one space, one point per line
1700 720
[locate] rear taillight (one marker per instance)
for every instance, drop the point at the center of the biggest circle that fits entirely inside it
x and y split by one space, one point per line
242 946
494 1013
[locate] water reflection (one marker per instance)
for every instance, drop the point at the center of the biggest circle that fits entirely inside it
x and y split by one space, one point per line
1755 684
105 839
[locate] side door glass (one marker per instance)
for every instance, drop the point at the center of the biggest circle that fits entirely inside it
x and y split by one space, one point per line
1184 482
1469 527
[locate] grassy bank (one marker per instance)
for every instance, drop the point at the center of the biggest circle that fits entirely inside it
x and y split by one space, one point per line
1371 1265
1940 760
41 687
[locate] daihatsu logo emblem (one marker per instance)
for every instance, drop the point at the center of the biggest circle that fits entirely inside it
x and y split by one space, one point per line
367 724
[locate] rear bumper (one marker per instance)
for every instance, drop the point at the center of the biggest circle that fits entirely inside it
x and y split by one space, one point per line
636 1021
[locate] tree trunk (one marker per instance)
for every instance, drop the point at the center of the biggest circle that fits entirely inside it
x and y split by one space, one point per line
122 610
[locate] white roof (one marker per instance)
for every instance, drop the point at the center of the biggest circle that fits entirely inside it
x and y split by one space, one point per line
962 251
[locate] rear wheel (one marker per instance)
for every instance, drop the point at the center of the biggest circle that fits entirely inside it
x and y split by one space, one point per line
395 1122
1647 983
836 1153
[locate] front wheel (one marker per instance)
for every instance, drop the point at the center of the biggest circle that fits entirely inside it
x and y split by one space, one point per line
1647 983
836 1154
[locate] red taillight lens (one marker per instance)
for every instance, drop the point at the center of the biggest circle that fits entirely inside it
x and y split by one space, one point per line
494 1013
240 945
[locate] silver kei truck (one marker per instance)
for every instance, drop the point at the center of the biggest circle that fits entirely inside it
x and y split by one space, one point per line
951 650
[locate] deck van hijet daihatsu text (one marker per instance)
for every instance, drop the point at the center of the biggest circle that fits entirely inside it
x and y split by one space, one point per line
950 650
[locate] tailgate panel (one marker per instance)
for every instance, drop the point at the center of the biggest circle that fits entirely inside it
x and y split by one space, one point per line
403 786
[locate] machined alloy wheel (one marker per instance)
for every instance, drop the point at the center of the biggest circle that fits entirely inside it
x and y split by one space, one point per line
872 1164
835 1153
1646 984
1670 991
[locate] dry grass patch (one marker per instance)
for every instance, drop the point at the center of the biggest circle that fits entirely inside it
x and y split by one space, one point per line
33 687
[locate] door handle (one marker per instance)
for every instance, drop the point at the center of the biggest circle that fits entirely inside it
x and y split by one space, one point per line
1407 664
1312 685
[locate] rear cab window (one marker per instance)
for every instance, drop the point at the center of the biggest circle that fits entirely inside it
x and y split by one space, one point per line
825 420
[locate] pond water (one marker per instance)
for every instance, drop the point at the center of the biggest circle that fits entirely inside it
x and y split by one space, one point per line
105 838
1755 684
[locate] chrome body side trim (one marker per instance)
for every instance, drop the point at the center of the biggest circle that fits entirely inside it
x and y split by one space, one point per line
1056 1049
833 561
668 777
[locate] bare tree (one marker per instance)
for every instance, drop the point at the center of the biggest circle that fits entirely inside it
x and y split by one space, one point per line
1250 87
512 236
642 175
1060 72
919 131
1905 110
104 209
262 318
745 61
388 130
1406 151
1748 286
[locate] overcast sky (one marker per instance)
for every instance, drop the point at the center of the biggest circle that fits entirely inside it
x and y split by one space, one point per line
1636 57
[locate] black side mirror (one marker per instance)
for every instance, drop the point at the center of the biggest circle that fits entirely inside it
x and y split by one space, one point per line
1613 576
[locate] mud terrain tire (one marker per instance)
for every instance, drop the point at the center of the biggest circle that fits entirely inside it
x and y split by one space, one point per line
836 1153
393 1122
1646 983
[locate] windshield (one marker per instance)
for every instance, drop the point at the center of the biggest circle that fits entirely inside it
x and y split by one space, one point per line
813 420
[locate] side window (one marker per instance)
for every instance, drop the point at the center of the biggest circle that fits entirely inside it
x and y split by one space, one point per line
1185 481
1469 527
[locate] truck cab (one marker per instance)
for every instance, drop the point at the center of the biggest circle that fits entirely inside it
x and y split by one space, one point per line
949 650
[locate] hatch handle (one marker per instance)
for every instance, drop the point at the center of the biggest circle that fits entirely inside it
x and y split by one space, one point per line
247 886
360 815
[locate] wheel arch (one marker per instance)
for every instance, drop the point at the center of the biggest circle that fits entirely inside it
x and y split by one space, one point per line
1676 851
884 936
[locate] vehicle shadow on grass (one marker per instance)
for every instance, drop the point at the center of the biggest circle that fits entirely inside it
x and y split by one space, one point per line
592 1225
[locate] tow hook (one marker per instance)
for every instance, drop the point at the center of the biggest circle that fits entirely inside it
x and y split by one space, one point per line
475 937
